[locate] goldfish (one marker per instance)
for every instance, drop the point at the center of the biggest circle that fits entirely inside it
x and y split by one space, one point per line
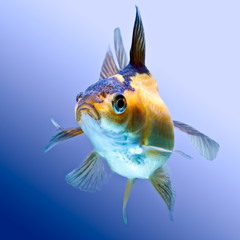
128 124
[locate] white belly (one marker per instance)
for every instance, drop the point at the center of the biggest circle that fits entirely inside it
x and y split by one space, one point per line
130 165
124 156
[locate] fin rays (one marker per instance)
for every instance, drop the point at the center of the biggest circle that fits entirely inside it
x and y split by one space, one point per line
162 183
90 176
137 52
63 135
109 67
128 189
207 147
119 49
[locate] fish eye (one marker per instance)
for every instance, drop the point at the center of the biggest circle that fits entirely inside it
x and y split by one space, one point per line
119 103
79 96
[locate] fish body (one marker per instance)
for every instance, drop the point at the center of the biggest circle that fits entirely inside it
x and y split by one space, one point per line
147 122
128 124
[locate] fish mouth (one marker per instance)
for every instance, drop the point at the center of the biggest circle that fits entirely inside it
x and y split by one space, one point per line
89 109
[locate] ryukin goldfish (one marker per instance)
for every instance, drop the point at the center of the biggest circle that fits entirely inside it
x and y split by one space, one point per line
128 124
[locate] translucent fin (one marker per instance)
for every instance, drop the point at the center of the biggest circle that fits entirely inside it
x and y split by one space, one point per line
158 152
207 147
162 183
119 49
63 135
128 189
90 176
109 67
137 52
56 125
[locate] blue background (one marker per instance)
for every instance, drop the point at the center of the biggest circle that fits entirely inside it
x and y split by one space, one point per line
50 50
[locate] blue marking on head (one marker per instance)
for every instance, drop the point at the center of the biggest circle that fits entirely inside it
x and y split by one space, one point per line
112 85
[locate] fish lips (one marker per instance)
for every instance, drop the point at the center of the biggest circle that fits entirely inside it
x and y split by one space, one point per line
84 105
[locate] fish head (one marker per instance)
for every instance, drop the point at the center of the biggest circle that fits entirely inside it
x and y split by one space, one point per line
112 104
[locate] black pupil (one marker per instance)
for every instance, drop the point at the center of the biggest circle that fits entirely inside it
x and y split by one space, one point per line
120 103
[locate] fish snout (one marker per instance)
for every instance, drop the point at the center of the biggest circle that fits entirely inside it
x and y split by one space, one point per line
86 104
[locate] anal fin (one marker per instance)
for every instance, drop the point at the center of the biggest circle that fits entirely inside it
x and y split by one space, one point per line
128 189
162 183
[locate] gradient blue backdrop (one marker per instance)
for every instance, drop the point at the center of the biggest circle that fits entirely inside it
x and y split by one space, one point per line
50 50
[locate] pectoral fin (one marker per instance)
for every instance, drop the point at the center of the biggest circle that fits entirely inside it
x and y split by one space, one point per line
128 189
158 152
162 183
90 176
207 147
63 135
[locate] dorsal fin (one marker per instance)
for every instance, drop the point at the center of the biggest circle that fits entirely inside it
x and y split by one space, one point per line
109 67
119 49
137 52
